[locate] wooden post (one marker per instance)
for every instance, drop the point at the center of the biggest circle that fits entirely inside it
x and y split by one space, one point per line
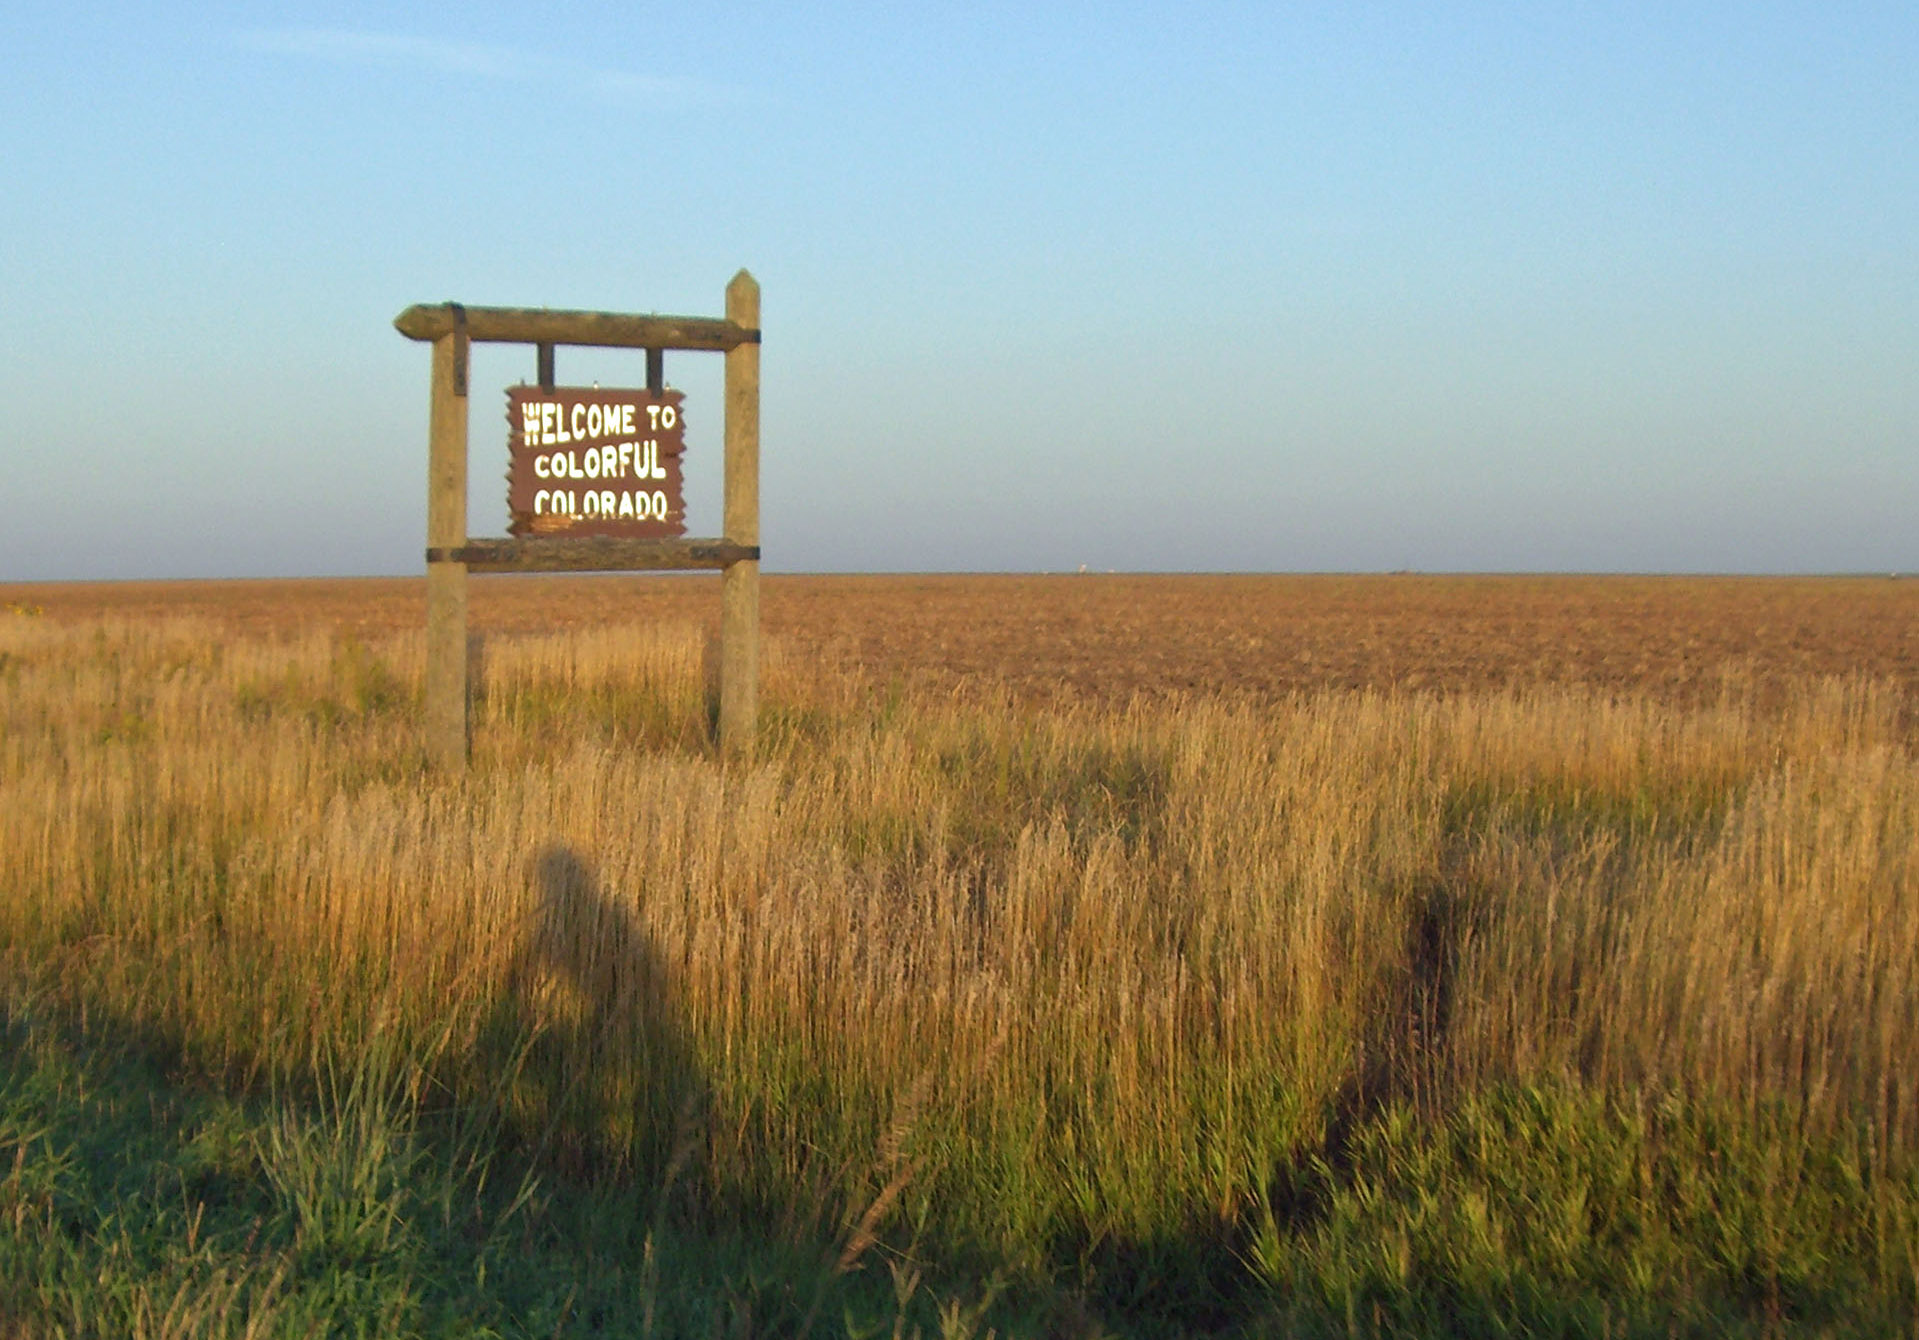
740 585
446 707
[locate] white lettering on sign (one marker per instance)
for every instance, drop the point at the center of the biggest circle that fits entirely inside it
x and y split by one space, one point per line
623 460
623 505
554 502
545 423
601 421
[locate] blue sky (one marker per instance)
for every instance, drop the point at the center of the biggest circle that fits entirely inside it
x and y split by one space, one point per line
1263 287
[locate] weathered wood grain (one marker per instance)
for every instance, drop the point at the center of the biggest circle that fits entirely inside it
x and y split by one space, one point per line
597 554
540 325
740 588
446 688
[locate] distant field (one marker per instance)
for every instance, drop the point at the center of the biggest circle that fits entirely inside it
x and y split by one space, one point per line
1109 637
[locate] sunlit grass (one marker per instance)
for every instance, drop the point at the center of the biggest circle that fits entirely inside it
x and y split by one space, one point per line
1185 988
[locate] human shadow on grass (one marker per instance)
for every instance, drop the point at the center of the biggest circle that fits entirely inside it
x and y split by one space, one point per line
1403 1051
1199 1276
601 1063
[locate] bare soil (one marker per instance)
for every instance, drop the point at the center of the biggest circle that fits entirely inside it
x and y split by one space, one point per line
1111 637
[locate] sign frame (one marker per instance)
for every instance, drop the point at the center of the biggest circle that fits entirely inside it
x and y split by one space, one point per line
451 553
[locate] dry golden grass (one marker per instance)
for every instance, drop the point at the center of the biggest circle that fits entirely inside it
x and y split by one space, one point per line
1096 969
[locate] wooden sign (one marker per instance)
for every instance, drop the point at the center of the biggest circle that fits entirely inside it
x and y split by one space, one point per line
583 461
593 485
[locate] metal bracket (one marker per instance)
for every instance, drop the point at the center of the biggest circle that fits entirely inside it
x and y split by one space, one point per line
459 349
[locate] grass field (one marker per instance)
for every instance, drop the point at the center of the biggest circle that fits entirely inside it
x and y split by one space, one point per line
1077 955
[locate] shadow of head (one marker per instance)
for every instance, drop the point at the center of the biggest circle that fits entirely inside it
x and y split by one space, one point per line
586 937
609 1049
565 885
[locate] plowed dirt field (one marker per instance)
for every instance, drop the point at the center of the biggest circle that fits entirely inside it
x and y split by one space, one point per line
1111 637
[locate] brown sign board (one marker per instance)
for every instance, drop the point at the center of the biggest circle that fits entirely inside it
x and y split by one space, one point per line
582 461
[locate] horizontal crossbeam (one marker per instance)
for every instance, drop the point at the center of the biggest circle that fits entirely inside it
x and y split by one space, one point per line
594 555
540 325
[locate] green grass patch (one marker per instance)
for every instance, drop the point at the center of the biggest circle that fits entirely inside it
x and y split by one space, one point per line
136 1202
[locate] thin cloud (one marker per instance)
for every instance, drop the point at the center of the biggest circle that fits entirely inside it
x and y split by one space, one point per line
475 59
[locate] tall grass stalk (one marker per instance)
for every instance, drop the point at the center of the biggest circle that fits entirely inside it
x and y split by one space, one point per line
1152 954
